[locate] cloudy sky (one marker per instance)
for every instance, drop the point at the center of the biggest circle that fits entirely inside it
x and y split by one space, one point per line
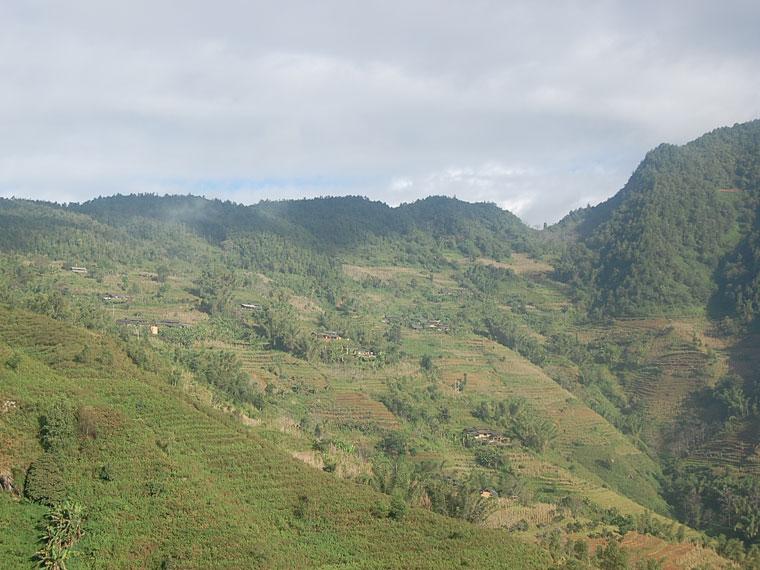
540 107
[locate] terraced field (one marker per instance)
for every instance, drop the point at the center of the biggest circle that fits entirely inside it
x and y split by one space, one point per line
683 556
351 408
193 487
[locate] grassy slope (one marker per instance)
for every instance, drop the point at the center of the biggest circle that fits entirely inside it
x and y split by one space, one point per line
220 495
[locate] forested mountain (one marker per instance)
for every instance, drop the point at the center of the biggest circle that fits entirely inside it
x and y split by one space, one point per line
331 222
678 235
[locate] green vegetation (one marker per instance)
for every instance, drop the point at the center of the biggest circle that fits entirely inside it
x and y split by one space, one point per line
680 231
302 383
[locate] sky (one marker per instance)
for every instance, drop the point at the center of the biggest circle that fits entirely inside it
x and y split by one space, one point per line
538 106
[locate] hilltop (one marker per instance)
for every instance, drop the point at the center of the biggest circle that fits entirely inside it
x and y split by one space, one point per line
678 236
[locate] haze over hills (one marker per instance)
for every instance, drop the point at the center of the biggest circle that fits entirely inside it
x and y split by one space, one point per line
303 382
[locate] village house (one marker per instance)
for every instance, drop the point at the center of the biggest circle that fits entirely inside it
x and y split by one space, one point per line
328 335
366 354
170 323
487 436
131 322
153 325
113 297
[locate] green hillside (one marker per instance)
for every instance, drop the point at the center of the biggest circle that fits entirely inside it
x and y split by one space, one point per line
664 243
169 482
302 383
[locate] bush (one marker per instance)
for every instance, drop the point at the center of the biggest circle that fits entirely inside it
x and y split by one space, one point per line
394 444
521 526
397 509
13 362
104 474
490 458
57 431
45 482
379 510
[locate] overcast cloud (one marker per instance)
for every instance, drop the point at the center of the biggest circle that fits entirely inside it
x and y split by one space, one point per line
540 107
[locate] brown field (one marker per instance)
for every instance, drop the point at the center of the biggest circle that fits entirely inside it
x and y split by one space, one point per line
675 556
521 264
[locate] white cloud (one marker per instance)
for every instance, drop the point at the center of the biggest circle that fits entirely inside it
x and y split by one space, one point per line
540 106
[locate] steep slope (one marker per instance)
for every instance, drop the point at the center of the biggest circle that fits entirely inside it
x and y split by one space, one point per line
658 244
167 482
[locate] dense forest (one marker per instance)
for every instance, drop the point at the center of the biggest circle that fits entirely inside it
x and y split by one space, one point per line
679 235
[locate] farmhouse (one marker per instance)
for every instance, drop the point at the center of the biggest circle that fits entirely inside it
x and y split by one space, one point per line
113 297
154 325
487 436
131 322
170 323
328 335
437 325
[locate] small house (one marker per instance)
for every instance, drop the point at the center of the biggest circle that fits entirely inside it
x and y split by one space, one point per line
131 322
80 270
170 323
366 354
114 297
329 335
487 436
489 493
154 330
250 306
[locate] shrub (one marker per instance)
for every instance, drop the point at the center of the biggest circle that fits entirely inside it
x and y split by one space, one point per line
522 525
394 444
379 509
490 458
45 482
57 429
397 509
13 362
104 474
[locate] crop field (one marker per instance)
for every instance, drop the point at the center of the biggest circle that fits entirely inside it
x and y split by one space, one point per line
178 469
356 408
521 264
683 556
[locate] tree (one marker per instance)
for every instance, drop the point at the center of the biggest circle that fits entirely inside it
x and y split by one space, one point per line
394 444
214 287
611 557
162 273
